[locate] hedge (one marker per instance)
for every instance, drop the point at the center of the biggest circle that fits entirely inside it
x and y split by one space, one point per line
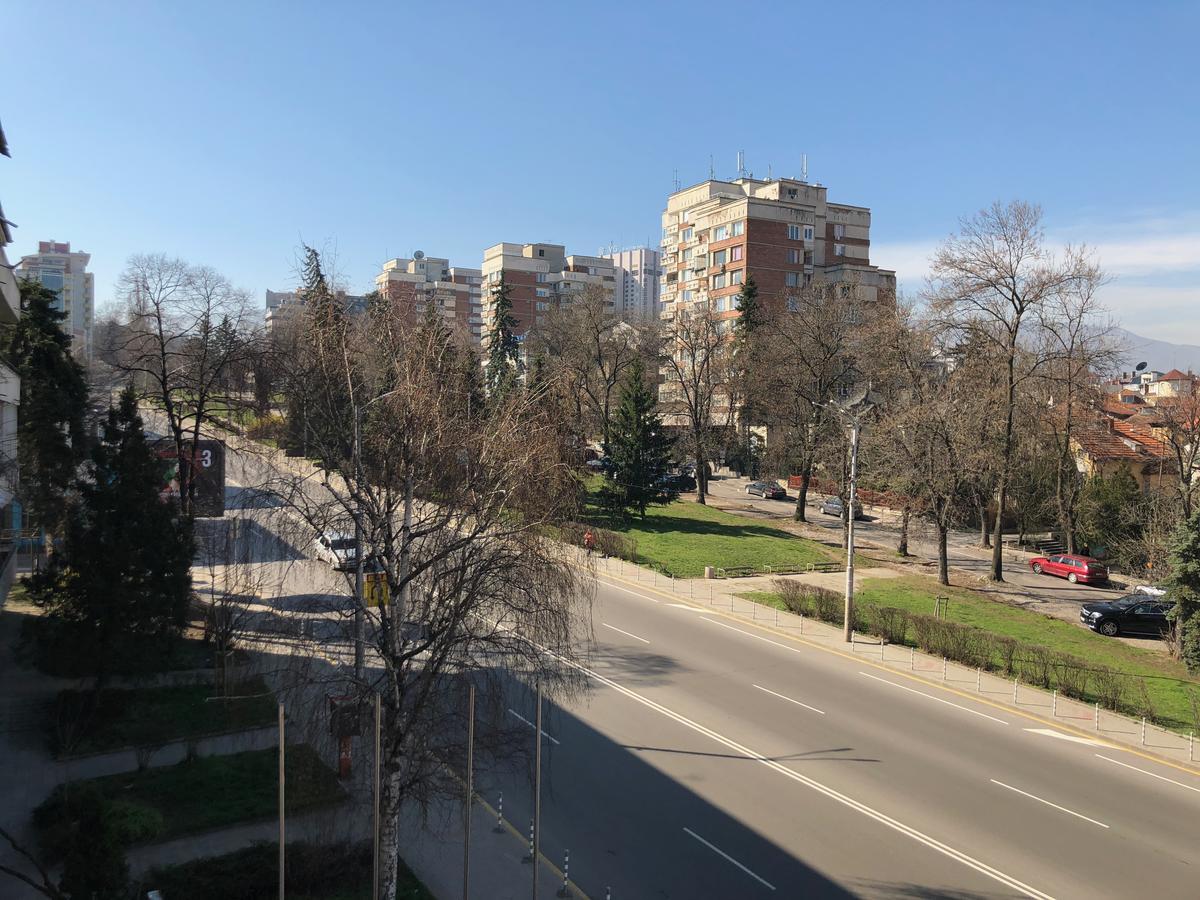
973 647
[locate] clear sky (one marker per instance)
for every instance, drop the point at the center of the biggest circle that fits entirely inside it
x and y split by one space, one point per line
227 133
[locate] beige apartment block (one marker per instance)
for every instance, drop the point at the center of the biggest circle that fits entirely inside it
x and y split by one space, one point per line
56 267
783 232
421 280
540 277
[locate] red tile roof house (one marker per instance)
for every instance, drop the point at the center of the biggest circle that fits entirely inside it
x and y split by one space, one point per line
1103 448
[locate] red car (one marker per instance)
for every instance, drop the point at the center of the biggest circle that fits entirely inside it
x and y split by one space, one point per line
1074 568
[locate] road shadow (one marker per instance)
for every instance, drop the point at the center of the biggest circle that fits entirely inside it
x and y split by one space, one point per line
241 541
252 498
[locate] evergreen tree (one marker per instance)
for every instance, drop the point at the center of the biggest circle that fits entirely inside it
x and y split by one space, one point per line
639 449
750 312
123 576
1183 587
50 433
1108 512
503 350
94 867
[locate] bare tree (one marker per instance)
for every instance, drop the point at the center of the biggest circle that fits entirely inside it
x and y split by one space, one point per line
456 500
188 333
995 277
1178 427
44 885
697 352
590 348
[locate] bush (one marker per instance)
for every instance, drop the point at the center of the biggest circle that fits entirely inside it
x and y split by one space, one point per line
269 428
810 600
608 543
1071 675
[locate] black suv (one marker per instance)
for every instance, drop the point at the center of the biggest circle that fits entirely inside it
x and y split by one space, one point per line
1132 614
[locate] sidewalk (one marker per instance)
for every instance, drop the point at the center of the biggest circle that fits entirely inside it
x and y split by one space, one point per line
718 597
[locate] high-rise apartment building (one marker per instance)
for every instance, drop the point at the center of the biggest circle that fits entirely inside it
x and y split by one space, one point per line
782 231
284 307
636 289
415 282
539 277
65 273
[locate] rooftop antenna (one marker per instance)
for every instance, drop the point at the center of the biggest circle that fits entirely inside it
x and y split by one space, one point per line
768 171
804 168
675 173
711 170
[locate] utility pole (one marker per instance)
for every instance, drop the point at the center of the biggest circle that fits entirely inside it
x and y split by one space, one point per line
537 789
359 653
377 787
281 829
848 623
470 792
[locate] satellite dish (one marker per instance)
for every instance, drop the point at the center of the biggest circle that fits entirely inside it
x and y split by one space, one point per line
420 254
1139 367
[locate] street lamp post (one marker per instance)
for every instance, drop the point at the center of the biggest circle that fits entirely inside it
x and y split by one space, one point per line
852 412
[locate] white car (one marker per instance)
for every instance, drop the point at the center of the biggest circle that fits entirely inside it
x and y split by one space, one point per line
336 548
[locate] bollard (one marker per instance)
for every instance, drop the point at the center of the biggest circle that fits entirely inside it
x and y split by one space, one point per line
1143 731
529 857
944 665
499 829
608 893
1015 692
1054 703
710 592
564 891
802 623
882 644
912 658
1191 741
1097 716
978 680
851 640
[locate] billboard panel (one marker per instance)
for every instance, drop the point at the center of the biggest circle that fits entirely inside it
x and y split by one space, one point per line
206 458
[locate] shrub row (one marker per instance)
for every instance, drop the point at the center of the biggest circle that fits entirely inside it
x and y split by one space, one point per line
973 647
608 543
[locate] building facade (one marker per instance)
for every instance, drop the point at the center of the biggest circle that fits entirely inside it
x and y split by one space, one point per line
10 400
783 232
636 288
284 307
413 283
65 273
540 277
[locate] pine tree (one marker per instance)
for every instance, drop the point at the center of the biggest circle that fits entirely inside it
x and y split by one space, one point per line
749 310
123 576
639 448
50 432
1183 587
503 350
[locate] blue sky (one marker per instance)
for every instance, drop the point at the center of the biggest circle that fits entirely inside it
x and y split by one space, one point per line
227 133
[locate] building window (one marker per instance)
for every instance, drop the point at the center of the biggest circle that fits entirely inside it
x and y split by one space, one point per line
839 232
541 277
542 307
735 277
720 233
839 249
739 228
687 234
543 292
687 296
718 257
791 279
808 232
794 257
541 252
718 282
793 232
687 255
808 257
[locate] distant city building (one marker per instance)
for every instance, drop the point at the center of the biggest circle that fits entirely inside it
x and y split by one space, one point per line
636 289
10 399
783 232
284 306
65 273
539 277
413 283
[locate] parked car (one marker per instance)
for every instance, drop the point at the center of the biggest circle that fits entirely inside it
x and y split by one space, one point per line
1132 614
336 548
1073 567
679 483
768 490
832 506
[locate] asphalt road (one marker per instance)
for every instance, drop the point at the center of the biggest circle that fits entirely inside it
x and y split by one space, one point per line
711 759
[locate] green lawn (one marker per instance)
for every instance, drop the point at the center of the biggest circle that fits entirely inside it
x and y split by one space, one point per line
1166 679
338 872
210 792
684 537
157 715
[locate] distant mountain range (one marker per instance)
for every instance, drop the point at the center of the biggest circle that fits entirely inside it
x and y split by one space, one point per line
1158 355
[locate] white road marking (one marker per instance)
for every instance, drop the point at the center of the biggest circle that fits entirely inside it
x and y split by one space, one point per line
1069 812
788 699
757 637
1050 732
838 796
1151 774
635 593
683 606
724 855
626 633
531 725
931 697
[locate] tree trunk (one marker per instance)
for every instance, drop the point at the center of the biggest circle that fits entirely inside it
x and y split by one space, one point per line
902 546
985 539
701 472
389 834
998 532
800 515
943 556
